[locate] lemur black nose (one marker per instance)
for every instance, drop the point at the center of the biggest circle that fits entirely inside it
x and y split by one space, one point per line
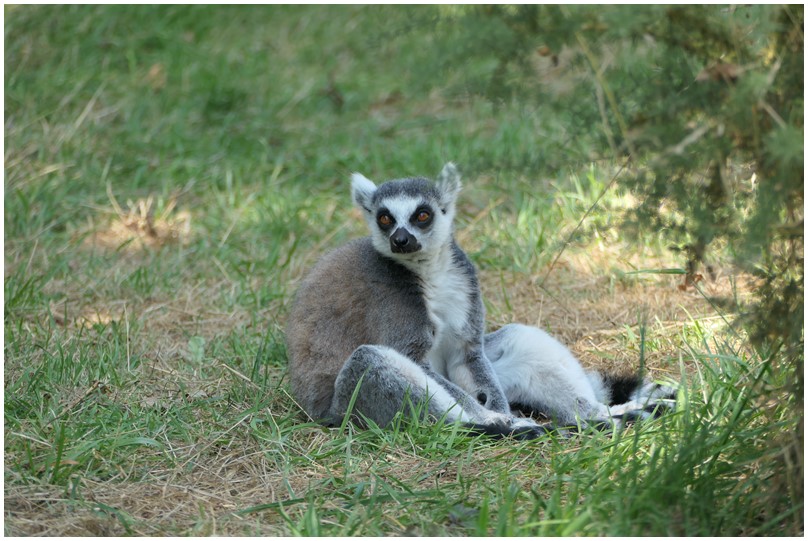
403 242
401 237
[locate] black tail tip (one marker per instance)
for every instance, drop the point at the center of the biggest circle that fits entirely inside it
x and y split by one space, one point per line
621 386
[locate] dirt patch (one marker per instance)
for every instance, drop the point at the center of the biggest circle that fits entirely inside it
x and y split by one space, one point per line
591 303
140 225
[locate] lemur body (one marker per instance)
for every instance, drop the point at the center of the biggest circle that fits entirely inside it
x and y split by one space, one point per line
400 315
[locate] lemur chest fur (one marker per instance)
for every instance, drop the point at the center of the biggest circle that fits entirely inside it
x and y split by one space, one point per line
447 293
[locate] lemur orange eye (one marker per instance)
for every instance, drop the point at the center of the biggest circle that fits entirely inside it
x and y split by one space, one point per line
422 216
385 220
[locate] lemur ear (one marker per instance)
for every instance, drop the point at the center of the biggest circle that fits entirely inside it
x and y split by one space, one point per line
448 184
362 190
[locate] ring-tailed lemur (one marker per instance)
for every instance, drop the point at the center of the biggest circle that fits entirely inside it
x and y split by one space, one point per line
400 315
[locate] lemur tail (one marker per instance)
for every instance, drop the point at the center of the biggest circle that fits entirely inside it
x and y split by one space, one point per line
632 397
625 388
622 400
621 387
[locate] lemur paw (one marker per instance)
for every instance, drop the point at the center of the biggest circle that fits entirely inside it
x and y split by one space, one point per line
525 428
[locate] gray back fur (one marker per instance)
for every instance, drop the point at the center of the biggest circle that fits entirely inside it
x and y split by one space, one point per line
353 296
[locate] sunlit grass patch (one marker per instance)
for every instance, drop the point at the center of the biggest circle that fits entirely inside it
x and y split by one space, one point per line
141 225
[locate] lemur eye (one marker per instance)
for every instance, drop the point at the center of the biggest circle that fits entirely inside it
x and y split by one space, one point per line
422 217
385 220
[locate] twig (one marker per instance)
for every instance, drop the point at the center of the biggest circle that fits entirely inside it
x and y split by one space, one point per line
96 385
27 437
114 201
581 221
694 136
608 91
240 375
214 440
772 113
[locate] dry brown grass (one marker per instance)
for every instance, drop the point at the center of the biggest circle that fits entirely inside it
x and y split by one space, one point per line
586 304
140 226
167 501
226 479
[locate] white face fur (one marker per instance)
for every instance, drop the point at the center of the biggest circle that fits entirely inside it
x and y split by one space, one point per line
410 219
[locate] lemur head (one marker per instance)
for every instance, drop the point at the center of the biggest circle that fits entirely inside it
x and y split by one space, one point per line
409 219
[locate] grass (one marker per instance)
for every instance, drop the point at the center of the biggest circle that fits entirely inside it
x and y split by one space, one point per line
170 174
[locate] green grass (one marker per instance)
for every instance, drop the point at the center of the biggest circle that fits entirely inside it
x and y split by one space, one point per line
144 375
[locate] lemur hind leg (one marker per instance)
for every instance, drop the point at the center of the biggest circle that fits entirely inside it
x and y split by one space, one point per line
391 382
538 374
